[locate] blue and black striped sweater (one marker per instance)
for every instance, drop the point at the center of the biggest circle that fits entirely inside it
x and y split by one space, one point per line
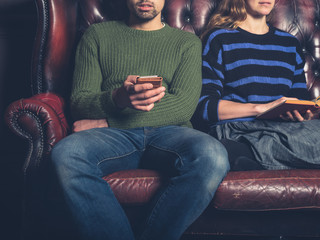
248 68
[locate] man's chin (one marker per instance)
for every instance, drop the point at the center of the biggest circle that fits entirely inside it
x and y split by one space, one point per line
146 16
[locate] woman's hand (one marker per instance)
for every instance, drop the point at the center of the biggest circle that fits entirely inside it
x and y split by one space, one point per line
266 106
230 110
296 116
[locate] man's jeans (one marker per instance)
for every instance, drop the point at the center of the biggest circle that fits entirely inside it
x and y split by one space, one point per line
195 162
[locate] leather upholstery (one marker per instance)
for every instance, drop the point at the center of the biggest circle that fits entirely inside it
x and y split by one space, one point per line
252 202
135 187
269 190
299 17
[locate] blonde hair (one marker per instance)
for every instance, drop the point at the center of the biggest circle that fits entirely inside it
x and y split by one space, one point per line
229 14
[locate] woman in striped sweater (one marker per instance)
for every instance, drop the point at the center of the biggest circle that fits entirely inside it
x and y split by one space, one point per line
250 66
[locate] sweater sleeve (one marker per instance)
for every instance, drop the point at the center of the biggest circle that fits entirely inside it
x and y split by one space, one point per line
87 98
183 93
212 80
299 86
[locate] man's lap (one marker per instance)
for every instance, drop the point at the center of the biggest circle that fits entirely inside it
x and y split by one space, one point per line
116 149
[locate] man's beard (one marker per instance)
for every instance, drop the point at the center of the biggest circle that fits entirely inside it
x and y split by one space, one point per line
145 16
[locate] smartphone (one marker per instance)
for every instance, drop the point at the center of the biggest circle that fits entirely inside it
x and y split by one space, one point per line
155 80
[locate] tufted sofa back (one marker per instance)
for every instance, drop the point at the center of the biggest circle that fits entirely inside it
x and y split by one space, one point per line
61 24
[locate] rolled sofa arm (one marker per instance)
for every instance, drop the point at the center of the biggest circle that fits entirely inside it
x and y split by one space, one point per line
40 120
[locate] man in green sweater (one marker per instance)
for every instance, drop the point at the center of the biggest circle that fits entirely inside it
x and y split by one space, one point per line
123 125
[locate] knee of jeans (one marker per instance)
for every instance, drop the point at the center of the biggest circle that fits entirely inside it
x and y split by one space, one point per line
221 164
211 149
217 168
218 164
59 152
212 172
63 154
214 158
57 160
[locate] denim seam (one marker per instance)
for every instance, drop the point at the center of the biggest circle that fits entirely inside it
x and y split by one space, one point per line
156 207
133 178
111 158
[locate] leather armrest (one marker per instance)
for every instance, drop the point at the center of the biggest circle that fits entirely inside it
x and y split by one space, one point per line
40 120
269 190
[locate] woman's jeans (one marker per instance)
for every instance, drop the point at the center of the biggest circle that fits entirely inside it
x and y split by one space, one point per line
195 162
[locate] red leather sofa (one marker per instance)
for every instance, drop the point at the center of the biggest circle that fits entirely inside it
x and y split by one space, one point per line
249 203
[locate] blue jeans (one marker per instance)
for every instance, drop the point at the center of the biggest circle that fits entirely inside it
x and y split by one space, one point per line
195 162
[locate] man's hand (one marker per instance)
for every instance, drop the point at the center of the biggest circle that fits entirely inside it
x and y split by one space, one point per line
86 124
137 96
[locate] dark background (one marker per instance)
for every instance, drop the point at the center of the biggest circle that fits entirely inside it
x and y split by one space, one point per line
17 31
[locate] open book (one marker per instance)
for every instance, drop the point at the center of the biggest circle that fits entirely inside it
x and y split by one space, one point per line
289 105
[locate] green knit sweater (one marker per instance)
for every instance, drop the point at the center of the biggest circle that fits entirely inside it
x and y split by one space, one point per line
110 51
